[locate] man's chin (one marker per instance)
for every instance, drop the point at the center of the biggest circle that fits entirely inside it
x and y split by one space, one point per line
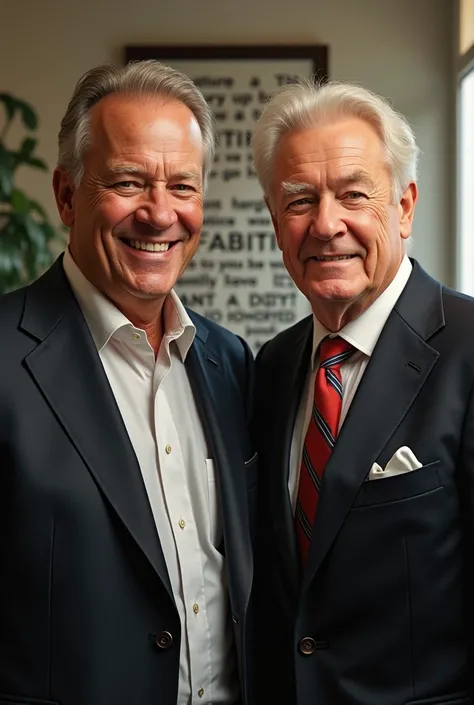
143 288
341 292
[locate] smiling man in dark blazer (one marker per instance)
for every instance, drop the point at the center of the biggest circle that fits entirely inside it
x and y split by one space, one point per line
126 470
365 422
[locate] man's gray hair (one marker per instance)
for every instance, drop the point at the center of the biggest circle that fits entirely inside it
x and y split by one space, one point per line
307 102
148 77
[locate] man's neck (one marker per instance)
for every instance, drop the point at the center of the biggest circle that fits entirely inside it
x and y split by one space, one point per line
148 316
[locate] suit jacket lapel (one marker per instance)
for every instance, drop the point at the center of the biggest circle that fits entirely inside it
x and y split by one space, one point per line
398 369
210 390
295 363
67 369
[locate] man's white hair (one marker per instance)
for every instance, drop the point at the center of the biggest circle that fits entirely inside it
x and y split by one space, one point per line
307 103
148 77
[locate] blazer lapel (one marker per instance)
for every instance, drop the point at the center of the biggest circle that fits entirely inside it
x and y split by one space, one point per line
67 369
296 363
210 390
398 369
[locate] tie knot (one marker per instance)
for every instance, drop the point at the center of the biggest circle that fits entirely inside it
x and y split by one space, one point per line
334 352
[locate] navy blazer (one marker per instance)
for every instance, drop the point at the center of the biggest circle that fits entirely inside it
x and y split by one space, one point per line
87 614
381 614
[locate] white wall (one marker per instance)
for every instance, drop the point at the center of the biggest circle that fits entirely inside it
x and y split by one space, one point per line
401 49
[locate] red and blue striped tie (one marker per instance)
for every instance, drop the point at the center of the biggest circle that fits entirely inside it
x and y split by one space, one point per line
321 435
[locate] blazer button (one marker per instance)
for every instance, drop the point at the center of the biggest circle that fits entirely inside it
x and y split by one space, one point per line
163 640
307 645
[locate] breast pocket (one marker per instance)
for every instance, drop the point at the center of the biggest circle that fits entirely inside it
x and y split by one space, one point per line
215 522
399 487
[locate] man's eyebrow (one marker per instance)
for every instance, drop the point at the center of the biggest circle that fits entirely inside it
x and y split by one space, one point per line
357 177
124 169
185 175
291 188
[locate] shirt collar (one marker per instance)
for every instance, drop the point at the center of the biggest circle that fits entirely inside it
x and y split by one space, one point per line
104 319
364 331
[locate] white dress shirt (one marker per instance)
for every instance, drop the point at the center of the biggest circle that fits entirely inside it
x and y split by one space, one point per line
159 412
363 333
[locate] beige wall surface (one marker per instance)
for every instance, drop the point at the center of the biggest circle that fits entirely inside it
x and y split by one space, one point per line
402 49
466 21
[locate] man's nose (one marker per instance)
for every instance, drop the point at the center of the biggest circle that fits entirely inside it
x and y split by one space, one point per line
157 211
327 221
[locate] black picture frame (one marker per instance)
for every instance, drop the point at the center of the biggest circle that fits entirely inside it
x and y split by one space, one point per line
317 53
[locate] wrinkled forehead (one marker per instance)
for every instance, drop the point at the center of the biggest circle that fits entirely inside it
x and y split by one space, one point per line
330 151
341 139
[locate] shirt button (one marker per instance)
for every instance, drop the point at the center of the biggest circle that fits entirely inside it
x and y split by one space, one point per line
168 449
181 523
201 692
136 336
195 608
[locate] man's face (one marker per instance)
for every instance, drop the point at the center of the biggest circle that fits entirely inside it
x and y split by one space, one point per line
135 219
341 237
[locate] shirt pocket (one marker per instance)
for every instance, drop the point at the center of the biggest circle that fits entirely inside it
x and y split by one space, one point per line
215 522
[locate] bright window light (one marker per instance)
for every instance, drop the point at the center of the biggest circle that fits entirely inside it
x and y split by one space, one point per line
466 184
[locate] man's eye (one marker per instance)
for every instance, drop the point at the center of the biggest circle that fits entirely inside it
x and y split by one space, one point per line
126 184
301 202
183 187
354 195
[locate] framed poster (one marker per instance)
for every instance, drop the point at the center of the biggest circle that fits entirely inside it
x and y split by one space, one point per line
237 277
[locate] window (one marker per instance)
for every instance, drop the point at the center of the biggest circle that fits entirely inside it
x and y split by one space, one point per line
465 149
466 184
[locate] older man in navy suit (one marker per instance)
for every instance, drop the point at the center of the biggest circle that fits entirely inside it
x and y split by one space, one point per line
365 422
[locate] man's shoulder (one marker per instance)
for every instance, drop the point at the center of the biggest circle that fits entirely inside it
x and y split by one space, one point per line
216 337
16 344
284 342
11 308
458 300
458 311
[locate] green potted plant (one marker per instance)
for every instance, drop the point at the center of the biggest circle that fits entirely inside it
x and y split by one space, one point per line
26 234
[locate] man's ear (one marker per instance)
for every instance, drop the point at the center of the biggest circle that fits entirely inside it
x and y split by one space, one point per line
64 190
407 210
274 221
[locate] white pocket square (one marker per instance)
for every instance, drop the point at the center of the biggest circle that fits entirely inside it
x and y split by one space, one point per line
404 460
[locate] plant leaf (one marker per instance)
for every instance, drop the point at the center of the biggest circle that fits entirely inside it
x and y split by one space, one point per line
25 230
6 181
35 232
20 202
29 116
37 163
28 147
10 105
38 208
49 232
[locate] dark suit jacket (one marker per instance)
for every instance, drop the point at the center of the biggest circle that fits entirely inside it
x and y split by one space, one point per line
87 615
387 592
